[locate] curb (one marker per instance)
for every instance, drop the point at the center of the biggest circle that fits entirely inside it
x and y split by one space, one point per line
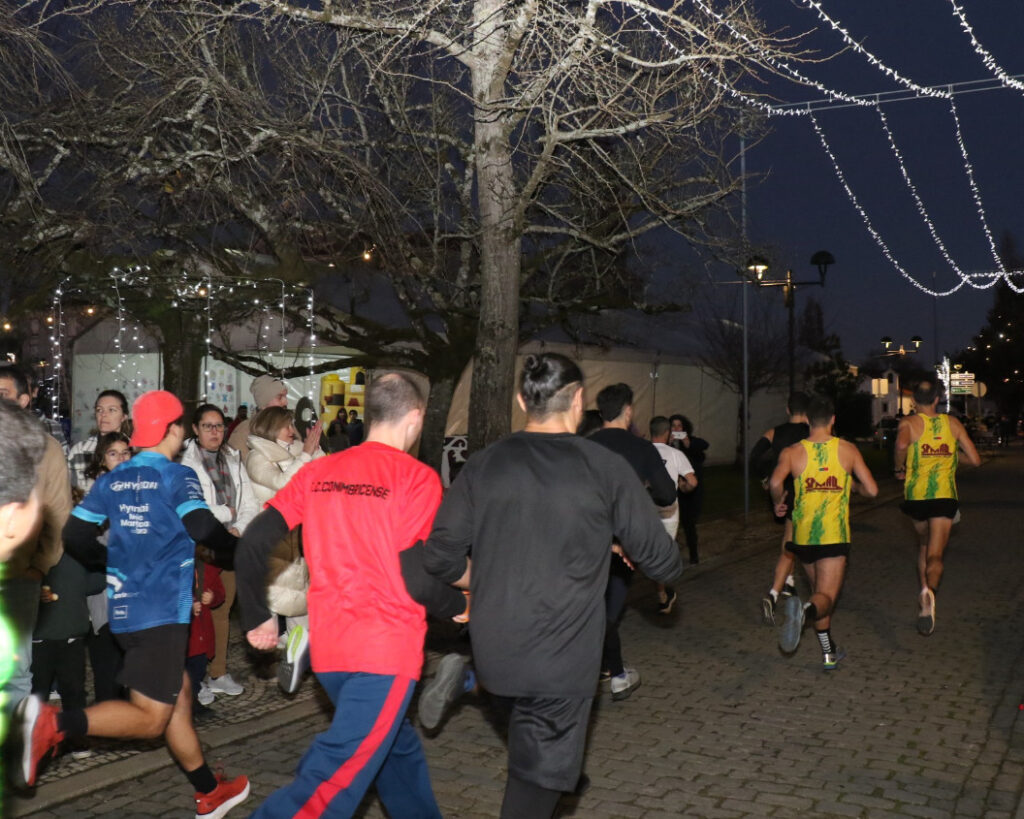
79 785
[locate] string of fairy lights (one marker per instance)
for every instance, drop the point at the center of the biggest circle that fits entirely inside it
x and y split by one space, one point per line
127 369
835 99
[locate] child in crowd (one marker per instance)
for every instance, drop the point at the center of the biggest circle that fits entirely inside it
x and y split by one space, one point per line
58 642
105 655
208 592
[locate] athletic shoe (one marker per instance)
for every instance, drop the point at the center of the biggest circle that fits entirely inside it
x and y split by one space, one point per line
225 685
792 628
665 606
447 685
768 610
625 683
205 695
831 661
227 794
926 619
788 588
295 661
35 738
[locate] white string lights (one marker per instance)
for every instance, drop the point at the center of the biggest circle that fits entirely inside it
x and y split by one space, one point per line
853 45
57 347
984 53
867 222
311 313
969 170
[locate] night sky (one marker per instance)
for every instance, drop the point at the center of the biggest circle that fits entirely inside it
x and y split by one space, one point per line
800 207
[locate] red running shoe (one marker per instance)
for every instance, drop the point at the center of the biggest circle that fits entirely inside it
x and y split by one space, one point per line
35 737
227 794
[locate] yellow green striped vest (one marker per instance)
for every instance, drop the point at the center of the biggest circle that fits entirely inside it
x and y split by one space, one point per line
821 508
931 461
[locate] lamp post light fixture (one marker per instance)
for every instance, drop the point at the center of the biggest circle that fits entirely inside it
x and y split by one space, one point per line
887 345
822 260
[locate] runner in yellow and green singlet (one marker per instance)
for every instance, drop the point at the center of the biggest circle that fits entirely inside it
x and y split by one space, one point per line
823 468
927 454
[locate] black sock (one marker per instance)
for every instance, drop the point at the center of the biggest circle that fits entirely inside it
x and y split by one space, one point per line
810 612
202 779
825 638
73 723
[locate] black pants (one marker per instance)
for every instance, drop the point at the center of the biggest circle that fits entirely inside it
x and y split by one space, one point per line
195 666
106 659
62 661
689 510
619 579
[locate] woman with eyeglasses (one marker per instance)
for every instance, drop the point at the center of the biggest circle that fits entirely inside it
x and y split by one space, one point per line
228 492
111 413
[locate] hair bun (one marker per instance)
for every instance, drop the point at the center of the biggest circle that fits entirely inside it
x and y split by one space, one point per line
534 364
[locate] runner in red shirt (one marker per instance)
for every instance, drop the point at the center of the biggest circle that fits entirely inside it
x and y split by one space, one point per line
359 509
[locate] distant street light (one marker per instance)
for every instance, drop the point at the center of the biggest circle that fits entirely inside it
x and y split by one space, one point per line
887 343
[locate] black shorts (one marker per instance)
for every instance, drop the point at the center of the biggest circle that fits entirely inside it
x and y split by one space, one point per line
154 661
921 510
546 739
808 554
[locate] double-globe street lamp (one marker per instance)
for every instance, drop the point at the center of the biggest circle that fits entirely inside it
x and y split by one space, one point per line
821 260
887 345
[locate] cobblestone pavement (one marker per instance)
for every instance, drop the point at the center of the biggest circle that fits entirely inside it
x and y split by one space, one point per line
724 725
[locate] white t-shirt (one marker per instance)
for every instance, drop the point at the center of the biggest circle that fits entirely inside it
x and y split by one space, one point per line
677 465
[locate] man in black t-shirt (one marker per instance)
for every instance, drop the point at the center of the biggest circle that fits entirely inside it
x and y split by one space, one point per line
538 510
615 403
763 458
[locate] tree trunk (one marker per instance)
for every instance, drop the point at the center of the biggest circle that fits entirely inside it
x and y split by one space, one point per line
181 353
442 390
490 408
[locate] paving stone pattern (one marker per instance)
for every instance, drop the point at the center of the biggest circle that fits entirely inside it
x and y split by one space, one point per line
724 725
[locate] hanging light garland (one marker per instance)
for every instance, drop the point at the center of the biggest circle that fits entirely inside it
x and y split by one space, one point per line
920 205
57 347
969 170
853 45
867 222
984 53
311 314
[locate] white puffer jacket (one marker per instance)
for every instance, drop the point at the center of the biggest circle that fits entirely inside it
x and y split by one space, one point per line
246 504
271 465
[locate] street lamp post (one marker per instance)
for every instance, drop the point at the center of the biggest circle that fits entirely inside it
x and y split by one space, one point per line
754 269
822 260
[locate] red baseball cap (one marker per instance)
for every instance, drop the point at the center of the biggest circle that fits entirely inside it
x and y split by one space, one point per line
152 413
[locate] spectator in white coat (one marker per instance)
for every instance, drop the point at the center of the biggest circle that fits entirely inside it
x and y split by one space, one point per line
230 496
275 455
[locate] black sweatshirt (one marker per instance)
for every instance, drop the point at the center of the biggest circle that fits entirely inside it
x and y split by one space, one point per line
539 512
644 458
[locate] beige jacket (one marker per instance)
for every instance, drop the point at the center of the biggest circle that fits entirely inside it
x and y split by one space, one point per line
54 489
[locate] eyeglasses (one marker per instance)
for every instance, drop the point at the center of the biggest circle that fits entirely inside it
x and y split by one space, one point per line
211 427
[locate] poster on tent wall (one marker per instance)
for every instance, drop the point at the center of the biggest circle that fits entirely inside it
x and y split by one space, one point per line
222 388
93 373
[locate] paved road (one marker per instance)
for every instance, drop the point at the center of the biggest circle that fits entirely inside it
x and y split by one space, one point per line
724 726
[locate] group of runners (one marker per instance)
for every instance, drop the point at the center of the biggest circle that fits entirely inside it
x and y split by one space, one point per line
810 480
384 548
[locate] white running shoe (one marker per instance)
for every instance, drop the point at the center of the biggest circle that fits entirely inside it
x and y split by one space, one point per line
625 683
224 685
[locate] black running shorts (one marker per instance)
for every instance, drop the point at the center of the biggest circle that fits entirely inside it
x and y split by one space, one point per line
808 554
154 661
546 739
922 510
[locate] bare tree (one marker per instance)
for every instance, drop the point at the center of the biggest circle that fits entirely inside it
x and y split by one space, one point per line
720 334
575 128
